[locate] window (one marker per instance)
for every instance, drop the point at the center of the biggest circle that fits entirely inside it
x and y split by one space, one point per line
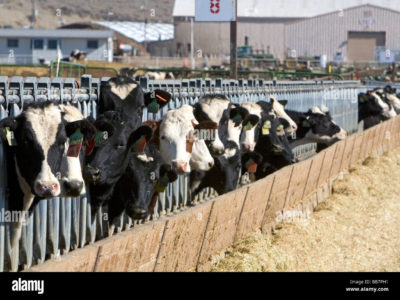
37 44
92 44
52 44
12 43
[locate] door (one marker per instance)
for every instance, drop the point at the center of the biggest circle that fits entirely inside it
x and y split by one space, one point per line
361 45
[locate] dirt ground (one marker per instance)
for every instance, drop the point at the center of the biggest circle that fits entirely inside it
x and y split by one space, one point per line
357 229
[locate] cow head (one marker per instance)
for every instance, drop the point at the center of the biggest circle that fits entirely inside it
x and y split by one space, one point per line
273 145
176 138
110 158
138 188
321 128
216 109
251 127
39 136
279 109
71 179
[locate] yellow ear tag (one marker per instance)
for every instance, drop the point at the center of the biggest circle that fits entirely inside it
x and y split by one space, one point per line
266 127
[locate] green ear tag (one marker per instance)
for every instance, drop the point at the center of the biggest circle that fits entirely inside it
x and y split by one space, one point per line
306 123
248 126
162 184
153 107
10 137
76 138
237 118
100 137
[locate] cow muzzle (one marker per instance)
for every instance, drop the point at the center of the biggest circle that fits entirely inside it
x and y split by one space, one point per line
72 188
91 174
137 212
47 189
341 135
180 167
247 147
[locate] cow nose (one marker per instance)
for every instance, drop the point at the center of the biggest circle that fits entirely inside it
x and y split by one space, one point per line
180 166
73 188
138 213
217 150
47 189
247 147
294 127
91 174
211 164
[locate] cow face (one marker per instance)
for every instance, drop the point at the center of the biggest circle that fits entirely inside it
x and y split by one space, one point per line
40 136
322 129
71 179
215 109
251 127
125 94
109 160
279 109
273 145
137 190
176 130
237 116
368 105
392 98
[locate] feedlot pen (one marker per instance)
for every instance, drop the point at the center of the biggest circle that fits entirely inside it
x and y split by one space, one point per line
60 225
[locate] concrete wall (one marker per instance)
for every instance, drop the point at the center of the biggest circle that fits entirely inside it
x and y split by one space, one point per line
189 240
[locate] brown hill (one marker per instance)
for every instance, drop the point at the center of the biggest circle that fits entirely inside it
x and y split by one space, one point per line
55 13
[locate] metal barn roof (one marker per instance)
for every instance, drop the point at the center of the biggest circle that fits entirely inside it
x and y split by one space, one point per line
287 8
135 30
56 33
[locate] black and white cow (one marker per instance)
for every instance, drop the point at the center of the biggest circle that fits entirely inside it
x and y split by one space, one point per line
224 175
124 93
109 160
229 117
315 126
180 145
137 190
372 109
273 146
260 109
34 144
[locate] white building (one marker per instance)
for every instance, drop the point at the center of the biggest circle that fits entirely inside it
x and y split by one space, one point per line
27 46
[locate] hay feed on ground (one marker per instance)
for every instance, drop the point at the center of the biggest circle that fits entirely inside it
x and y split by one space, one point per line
357 229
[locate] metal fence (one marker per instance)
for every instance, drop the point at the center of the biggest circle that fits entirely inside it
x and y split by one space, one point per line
60 225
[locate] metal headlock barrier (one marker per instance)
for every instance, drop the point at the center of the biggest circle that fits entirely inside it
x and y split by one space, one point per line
60 225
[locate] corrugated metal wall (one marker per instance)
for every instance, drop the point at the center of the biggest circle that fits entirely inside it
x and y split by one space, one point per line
327 34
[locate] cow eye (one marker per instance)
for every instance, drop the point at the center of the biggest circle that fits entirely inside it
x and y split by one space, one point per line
163 137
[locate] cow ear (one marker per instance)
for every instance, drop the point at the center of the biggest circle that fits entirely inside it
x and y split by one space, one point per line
238 115
283 102
156 99
167 175
84 126
250 122
7 128
205 125
138 139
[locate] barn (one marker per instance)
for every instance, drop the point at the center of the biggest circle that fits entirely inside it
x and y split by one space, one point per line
357 30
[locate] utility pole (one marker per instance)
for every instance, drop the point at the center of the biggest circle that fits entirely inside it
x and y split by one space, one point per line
192 62
233 45
33 14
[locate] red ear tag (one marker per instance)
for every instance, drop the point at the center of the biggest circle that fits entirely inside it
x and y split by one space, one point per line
90 146
140 145
74 150
252 168
161 98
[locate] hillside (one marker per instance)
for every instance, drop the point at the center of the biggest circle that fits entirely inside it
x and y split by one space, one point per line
17 13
